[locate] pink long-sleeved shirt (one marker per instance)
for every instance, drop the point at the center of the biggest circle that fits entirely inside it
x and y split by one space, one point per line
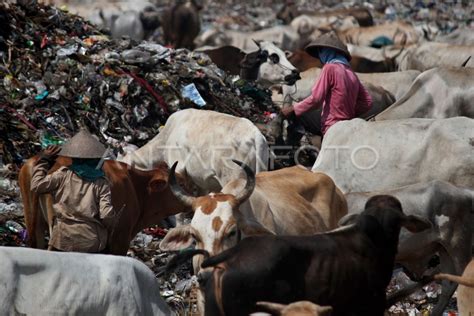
340 93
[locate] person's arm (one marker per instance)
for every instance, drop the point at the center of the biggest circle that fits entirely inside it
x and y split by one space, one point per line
364 100
106 210
41 182
318 93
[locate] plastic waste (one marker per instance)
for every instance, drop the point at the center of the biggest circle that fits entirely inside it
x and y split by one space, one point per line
14 226
191 92
46 139
67 51
135 56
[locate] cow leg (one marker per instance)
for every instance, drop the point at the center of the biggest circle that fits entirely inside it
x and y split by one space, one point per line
447 287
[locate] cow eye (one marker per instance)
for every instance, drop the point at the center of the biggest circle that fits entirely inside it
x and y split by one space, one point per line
232 234
274 58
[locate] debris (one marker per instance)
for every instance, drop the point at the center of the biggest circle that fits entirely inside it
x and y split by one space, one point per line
61 73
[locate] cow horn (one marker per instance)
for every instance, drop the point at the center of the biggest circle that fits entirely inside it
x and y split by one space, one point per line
249 186
256 43
465 62
180 194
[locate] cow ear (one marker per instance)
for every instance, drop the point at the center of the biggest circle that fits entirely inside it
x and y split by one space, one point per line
348 220
288 54
157 185
324 310
178 238
415 224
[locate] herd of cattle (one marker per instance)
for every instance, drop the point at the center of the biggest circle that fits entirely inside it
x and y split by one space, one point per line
267 238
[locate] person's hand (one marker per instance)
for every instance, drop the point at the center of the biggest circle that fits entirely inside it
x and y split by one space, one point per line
51 152
287 110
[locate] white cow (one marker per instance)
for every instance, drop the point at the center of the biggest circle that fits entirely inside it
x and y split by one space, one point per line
461 36
397 83
428 55
436 93
204 142
283 36
367 156
39 282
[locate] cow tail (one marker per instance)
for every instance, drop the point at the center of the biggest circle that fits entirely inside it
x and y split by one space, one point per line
180 258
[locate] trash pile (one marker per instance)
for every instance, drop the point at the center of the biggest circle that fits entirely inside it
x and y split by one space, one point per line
59 73
421 302
178 288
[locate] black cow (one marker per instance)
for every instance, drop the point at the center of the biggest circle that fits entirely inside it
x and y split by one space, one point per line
348 268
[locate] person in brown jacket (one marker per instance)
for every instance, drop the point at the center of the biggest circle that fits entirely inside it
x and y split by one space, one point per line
81 195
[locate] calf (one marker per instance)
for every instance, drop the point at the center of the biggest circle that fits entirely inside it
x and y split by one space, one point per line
347 268
466 288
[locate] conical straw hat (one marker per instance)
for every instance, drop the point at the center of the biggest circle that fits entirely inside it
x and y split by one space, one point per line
83 145
327 40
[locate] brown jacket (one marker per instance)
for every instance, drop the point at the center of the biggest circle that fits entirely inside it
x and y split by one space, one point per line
83 209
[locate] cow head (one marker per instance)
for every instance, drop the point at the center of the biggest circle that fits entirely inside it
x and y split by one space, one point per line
157 197
387 211
217 223
268 65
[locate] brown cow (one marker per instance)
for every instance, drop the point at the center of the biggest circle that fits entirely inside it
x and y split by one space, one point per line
140 198
304 61
465 290
181 24
227 57
289 201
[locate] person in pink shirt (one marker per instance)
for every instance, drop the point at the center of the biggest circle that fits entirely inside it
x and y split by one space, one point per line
338 91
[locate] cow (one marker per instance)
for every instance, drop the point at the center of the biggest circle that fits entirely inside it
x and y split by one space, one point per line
140 199
436 93
347 268
268 66
289 201
285 37
448 208
310 27
138 25
358 155
428 55
302 60
465 295
362 15
364 60
401 33
301 308
204 141
227 57
38 282
461 36
181 23
368 59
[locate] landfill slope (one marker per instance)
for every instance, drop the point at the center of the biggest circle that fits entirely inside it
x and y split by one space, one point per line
60 73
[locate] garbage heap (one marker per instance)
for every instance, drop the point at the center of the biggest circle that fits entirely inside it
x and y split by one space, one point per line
60 73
